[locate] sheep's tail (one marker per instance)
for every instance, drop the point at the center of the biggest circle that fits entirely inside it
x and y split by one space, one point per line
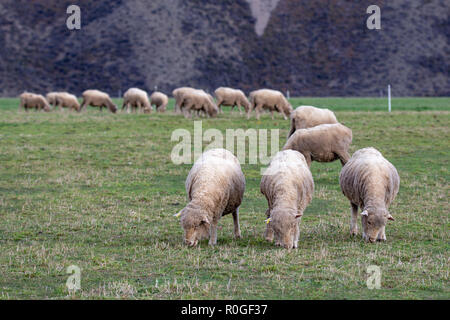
292 128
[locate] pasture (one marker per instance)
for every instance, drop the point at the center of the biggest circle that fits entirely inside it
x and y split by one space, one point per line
99 190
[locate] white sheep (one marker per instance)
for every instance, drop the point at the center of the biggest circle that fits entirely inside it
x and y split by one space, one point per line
215 187
160 100
305 117
371 183
136 99
231 98
272 100
288 186
99 99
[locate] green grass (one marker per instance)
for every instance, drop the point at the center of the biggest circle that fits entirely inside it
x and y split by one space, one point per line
99 191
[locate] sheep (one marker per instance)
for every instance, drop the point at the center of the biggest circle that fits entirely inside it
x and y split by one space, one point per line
67 100
52 98
288 186
269 99
30 100
136 99
215 187
305 117
231 98
178 95
371 183
324 143
198 101
160 100
99 99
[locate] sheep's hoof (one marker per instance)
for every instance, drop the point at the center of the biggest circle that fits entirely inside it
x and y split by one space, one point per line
354 233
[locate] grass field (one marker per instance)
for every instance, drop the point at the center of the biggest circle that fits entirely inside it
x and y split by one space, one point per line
99 191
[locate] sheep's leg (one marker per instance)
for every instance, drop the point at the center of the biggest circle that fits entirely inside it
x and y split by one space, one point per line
83 105
271 112
213 235
219 105
237 229
258 111
344 157
240 109
284 115
308 159
354 220
382 234
296 236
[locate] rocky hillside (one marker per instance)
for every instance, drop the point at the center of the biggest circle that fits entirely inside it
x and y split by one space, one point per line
311 48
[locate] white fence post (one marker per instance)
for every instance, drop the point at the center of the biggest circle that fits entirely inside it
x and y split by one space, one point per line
389 97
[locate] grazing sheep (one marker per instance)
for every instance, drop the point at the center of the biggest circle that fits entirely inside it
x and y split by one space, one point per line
215 187
198 101
231 98
288 186
33 101
324 143
136 99
178 95
67 100
371 183
52 98
99 99
271 100
160 100
305 117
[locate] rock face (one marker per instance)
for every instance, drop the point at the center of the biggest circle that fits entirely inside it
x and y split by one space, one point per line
311 48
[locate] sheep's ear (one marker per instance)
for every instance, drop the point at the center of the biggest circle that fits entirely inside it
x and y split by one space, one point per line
267 221
390 217
177 215
205 220
298 216
365 213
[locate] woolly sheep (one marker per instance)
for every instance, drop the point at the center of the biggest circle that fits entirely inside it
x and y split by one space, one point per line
371 183
136 99
67 100
305 117
178 95
99 99
52 98
231 98
215 187
160 100
33 101
271 100
198 101
324 143
288 187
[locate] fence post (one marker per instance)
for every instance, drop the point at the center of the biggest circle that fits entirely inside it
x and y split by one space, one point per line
389 97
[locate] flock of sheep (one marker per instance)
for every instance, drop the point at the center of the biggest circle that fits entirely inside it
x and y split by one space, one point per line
215 184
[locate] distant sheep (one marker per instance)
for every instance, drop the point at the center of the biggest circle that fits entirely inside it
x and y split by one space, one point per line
99 99
232 98
324 143
288 187
52 98
67 100
305 117
136 99
371 183
159 100
34 101
215 187
178 95
271 100
198 101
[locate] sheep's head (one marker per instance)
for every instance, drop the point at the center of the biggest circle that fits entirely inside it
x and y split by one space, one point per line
284 224
196 226
113 108
373 222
